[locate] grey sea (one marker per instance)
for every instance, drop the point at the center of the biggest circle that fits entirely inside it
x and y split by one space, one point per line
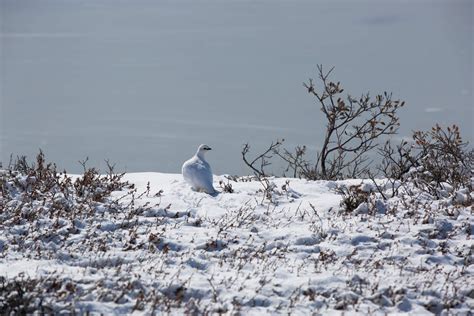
143 83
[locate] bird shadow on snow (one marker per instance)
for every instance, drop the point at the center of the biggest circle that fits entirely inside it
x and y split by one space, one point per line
214 194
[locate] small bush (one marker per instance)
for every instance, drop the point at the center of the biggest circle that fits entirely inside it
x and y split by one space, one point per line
442 159
437 162
352 197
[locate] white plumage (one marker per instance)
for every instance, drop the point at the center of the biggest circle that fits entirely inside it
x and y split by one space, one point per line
197 172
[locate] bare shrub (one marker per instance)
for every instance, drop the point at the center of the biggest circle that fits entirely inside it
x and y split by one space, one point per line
18 296
20 164
442 158
226 187
437 160
258 165
41 180
298 165
396 162
352 197
353 127
92 185
262 160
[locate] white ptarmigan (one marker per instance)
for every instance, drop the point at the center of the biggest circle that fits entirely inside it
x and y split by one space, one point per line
197 172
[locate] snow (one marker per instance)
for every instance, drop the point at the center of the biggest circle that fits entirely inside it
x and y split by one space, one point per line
172 249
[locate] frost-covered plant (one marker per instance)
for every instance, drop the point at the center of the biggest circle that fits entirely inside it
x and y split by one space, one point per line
38 195
226 187
92 185
437 162
352 197
442 158
41 179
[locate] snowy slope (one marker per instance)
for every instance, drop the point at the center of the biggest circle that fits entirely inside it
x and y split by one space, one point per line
180 251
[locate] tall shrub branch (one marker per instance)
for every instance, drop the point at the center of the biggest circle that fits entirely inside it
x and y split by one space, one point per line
353 126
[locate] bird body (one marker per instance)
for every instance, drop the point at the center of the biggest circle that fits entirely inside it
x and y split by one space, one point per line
197 172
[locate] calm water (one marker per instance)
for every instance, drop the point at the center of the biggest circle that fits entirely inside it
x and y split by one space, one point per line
142 83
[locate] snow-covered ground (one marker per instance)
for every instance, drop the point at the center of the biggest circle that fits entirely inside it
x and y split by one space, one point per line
162 247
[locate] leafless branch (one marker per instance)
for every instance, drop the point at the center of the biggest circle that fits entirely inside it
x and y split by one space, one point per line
353 126
262 160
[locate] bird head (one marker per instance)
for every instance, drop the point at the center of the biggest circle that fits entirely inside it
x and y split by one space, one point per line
202 149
